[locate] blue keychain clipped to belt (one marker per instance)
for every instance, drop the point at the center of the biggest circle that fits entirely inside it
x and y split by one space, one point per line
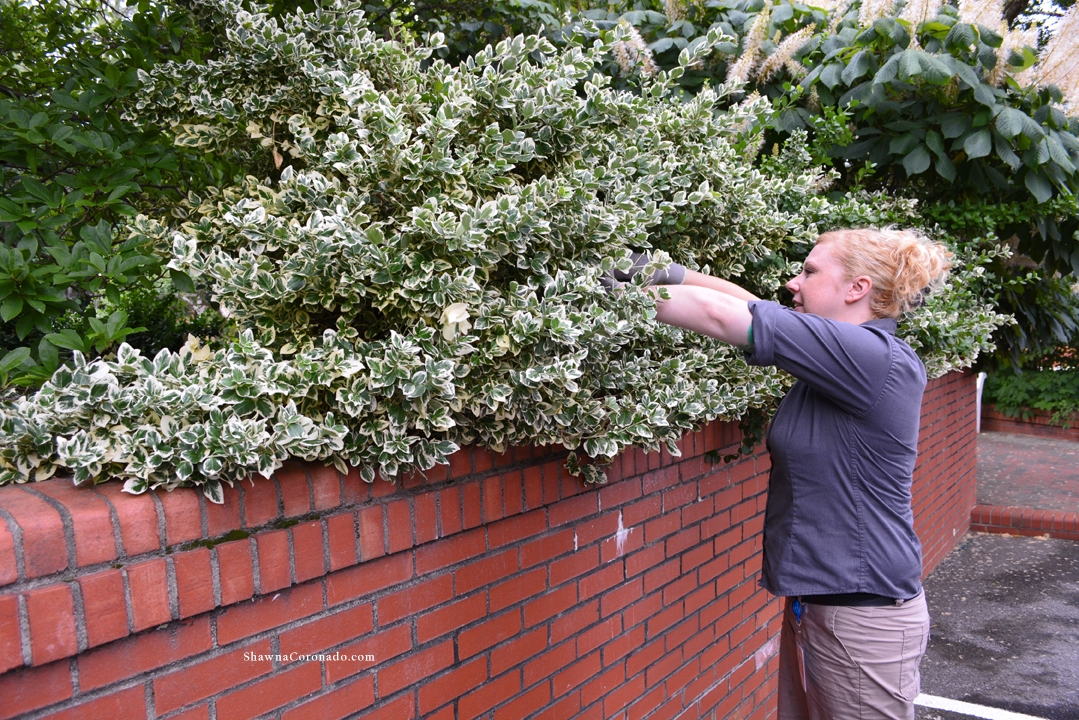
797 608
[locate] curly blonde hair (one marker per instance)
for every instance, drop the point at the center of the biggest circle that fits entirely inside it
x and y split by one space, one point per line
904 265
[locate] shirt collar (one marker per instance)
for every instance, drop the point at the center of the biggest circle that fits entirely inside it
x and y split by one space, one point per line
888 325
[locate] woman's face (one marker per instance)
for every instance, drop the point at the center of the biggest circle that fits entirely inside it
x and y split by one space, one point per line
822 287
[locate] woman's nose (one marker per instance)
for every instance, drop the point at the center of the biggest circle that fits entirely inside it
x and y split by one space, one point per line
792 285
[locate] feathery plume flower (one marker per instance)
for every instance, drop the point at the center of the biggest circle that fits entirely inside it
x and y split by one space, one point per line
989 13
828 5
872 10
917 12
783 57
632 51
675 10
1059 63
740 71
1014 40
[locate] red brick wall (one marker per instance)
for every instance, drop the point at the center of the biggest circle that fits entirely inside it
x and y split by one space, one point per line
1037 424
497 588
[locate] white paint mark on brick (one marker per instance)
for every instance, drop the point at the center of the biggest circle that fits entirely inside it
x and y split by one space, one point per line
620 537
766 651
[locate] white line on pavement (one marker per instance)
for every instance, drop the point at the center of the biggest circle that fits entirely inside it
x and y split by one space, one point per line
965 708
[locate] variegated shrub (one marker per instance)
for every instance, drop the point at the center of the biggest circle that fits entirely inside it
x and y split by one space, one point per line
420 268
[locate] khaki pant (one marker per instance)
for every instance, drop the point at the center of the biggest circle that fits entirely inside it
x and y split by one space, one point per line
852 663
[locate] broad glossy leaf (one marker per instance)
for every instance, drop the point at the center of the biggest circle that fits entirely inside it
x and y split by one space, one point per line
978 144
1039 186
856 68
916 161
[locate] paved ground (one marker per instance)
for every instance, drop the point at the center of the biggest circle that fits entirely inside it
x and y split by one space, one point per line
1005 609
1026 471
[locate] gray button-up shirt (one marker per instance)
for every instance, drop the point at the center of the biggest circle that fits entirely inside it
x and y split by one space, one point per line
843 447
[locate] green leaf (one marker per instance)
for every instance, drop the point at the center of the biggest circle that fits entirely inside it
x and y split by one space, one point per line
934 142
960 37
887 71
909 65
181 281
985 95
11 307
954 125
1039 186
945 168
1009 122
831 75
69 339
14 358
856 68
916 161
979 144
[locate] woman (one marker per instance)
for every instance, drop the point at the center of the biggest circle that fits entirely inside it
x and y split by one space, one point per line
839 541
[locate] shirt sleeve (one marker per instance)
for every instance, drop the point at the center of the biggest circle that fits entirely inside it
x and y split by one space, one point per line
847 363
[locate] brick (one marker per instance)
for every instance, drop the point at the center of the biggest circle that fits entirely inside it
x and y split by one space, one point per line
223 517
275 570
383 487
326 632
449 618
260 503
618 598
415 668
104 607
575 674
270 611
464 677
550 605
399 522
295 491
571 623
355 489
144 652
341 538
449 511
487 634
236 571
591 530
533 487
526 705
597 636
200 712
384 645
574 566
638 512
367 578
545 548
91 521
598 582
307 551
492 499
183 517
623 646
51 611
325 485
270 693
485 571
608 681
517 589
8 567
149 585
572 509
31 688
211 677
461 463
450 551
398 709
415 599
128 704
338 703
482 460
516 528
426 518
137 515
471 512
492 693
515 652
43 545
194 582
619 493
10 635
372 533
512 494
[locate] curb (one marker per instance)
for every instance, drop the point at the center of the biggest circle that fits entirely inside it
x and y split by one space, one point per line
1024 521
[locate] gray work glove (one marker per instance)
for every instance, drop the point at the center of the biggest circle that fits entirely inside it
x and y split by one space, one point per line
675 274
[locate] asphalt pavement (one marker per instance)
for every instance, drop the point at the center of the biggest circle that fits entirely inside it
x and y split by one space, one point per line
1005 629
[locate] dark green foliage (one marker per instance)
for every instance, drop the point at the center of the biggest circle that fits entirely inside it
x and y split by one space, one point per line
1055 391
72 167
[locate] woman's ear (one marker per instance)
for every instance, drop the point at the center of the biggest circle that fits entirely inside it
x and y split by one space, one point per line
860 287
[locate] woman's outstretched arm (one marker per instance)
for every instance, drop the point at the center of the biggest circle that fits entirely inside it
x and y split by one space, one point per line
708 311
714 283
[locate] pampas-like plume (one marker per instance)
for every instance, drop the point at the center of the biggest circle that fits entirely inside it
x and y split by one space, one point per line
1015 39
740 71
872 10
1059 63
784 55
675 10
632 51
989 13
917 12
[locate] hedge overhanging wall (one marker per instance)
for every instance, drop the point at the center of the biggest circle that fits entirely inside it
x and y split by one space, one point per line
497 587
